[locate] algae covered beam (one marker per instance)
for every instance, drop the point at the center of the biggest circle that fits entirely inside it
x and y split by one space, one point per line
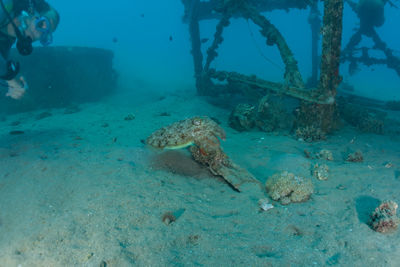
331 45
194 31
315 120
274 37
315 23
311 95
206 8
211 51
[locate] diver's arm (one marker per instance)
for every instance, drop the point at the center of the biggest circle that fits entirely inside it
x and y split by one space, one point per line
16 87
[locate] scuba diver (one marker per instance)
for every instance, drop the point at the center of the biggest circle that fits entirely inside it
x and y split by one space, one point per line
22 22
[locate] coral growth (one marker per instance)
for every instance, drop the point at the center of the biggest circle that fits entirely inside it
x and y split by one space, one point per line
325 154
314 121
321 172
242 118
310 133
365 119
384 219
272 116
289 188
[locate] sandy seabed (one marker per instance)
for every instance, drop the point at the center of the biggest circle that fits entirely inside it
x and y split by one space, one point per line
82 189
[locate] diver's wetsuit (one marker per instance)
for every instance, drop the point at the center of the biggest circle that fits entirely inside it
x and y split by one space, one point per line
6 41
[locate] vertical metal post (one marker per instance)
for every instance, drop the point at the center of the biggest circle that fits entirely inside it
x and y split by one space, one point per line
194 30
315 23
331 46
314 121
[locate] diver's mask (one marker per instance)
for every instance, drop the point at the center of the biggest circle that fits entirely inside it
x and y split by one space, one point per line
43 26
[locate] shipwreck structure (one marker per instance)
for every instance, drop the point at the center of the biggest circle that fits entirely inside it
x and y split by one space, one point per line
317 110
371 16
62 76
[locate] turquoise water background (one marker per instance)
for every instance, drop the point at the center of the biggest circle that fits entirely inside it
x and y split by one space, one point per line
146 58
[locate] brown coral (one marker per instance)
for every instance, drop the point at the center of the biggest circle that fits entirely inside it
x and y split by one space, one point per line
384 219
243 117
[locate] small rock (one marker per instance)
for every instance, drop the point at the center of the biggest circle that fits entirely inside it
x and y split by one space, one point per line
168 218
130 117
193 239
264 204
308 154
388 165
341 187
325 154
43 115
355 157
321 172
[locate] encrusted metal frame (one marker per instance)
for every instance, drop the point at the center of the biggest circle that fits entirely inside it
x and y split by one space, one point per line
323 92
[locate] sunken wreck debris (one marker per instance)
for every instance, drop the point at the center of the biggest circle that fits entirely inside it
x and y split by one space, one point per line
319 98
243 117
324 118
371 15
61 76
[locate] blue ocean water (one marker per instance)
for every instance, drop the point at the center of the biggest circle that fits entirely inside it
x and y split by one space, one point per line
144 48
86 183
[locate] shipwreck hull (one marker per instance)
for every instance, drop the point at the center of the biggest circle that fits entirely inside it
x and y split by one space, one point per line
60 76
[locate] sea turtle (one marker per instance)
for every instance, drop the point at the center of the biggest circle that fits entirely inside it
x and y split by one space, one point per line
200 131
202 135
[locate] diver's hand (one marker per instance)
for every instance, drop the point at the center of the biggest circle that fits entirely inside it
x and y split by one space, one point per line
16 88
